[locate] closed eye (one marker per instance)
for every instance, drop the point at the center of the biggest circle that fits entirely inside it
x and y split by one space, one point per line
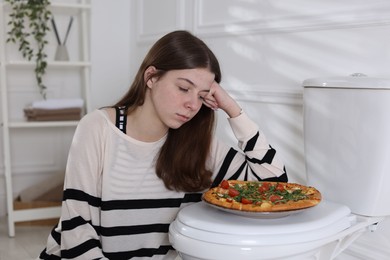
183 89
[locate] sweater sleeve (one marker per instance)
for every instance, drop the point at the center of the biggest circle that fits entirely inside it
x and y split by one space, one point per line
77 235
254 160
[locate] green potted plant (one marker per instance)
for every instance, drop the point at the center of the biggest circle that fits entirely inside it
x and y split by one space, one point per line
28 28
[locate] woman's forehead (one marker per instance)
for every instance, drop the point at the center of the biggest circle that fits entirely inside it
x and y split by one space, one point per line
196 77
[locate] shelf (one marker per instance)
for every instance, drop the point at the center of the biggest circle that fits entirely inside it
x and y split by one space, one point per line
18 67
51 64
71 8
37 124
36 214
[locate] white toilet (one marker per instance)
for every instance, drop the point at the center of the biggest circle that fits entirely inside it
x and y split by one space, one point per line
347 146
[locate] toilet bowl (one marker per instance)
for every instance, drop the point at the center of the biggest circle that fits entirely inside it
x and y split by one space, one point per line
204 232
353 201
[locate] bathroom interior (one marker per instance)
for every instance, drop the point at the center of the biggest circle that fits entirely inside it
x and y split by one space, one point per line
270 52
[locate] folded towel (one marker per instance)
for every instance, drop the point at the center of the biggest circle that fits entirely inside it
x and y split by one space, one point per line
31 112
69 117
58 103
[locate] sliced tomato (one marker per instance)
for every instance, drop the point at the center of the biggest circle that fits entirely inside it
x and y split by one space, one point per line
246 201
280 187
225 184
229 200
274 198
233 192
264 187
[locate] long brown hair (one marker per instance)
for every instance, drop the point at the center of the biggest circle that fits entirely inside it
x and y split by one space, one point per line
181 162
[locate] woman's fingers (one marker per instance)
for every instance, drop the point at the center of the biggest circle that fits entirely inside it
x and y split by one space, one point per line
210 103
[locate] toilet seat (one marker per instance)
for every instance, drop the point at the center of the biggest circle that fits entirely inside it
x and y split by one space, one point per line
203 232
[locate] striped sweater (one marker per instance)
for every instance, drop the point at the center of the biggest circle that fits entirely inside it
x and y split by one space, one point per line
114 205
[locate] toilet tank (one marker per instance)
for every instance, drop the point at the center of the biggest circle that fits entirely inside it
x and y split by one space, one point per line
347 141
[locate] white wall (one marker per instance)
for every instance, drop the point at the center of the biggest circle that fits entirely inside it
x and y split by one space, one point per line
111 43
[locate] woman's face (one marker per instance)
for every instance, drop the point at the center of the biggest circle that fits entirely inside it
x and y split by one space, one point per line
177 96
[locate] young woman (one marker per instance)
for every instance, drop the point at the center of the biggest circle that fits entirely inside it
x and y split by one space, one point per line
131 167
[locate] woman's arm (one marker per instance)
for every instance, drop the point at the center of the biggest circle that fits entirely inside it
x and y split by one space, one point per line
77 235
257 160
82 190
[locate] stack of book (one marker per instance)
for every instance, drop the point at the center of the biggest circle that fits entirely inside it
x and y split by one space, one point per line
54 110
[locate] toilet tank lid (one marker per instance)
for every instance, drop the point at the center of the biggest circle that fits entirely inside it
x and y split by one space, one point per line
357 80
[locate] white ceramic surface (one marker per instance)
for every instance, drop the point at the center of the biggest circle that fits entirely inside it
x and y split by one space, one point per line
204 232
347 141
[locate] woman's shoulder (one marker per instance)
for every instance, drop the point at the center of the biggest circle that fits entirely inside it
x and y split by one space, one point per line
109 113
99 117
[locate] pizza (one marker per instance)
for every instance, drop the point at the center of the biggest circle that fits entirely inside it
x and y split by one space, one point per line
256 196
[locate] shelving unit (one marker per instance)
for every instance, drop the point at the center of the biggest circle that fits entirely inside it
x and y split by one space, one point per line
81 10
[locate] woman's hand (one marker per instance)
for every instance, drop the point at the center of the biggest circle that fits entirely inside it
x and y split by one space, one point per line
218 98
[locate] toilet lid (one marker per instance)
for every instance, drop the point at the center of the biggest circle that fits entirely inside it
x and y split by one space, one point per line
354 82
202 222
